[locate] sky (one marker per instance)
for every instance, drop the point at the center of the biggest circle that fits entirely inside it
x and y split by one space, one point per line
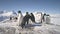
47 6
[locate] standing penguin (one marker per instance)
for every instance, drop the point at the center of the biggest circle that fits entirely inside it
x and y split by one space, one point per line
32 17
47 19
43 18
10 18
20 17
25 20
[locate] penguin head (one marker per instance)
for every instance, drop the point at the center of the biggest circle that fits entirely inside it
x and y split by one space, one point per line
19 11
44 13
26 12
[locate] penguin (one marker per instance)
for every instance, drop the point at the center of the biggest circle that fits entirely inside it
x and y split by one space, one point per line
20 17
32 17
25 20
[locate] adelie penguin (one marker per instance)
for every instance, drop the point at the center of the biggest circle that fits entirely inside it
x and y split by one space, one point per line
32 17
20 17
25 20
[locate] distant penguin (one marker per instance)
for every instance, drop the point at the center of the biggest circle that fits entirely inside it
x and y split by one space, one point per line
47 19
10 18
43 18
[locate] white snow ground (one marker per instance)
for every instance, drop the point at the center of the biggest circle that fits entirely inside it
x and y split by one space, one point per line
10 27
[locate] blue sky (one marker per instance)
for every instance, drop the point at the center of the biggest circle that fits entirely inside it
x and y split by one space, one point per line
48 6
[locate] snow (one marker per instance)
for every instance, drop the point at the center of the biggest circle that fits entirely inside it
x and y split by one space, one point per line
10 26
55 19
7 14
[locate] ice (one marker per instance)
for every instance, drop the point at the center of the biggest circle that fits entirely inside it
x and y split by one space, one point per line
7 30
43 29
10 27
